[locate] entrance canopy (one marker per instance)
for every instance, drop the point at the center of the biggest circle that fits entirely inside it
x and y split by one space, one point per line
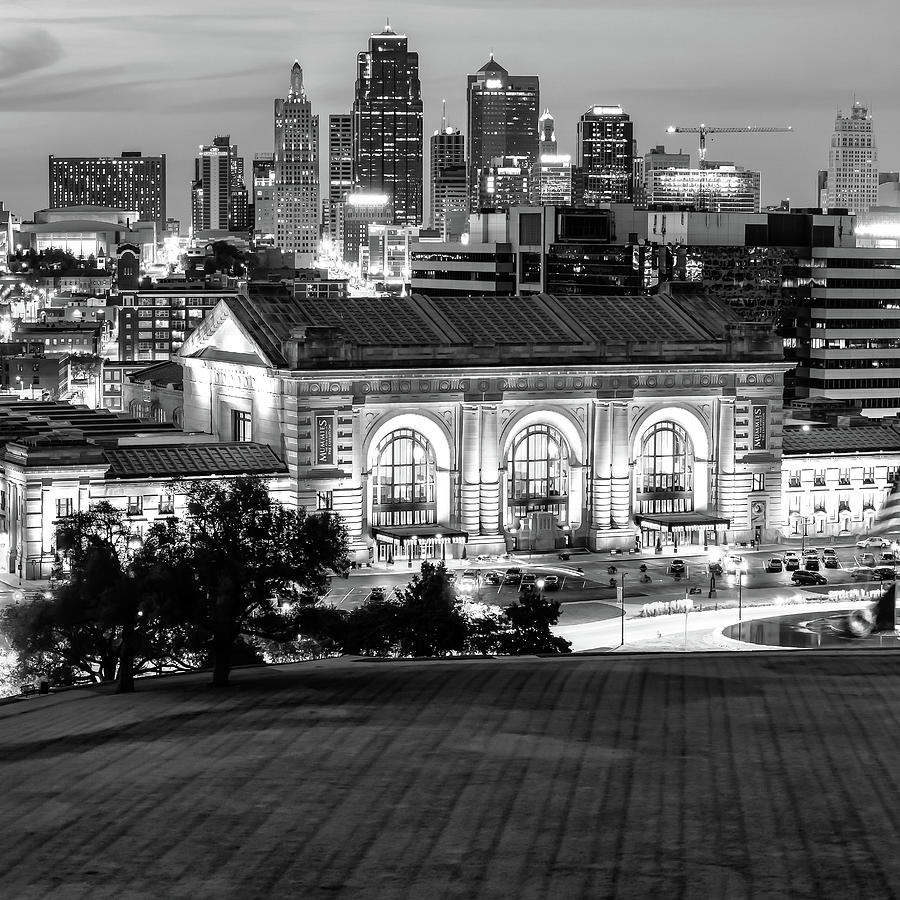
410 534
684 521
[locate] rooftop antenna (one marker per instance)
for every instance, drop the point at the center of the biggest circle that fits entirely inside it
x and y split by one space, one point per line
444 115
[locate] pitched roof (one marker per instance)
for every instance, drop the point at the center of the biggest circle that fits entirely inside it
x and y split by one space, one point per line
166 372
833 439
190 460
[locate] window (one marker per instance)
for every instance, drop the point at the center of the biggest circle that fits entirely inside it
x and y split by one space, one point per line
844 477
819 478
135 506
324 499
538 474
64 508
240 425
404 476
868 476
759 482
166 503
665 470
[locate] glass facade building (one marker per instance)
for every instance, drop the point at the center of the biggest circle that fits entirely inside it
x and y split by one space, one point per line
719 189
387 125
605 155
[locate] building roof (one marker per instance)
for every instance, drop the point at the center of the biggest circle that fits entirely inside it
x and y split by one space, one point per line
829 439
161 373
191 460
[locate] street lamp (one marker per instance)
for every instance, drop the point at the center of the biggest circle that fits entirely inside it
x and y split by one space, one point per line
622 637
740 575
539 584
803 541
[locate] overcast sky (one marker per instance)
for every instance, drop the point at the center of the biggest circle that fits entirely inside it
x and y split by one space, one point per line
95 77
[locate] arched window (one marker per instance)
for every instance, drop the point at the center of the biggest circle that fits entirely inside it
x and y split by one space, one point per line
665 472
403 479
538 474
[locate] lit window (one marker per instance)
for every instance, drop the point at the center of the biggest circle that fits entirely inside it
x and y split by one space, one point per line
759 482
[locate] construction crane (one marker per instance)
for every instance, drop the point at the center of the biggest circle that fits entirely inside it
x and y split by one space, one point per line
704 130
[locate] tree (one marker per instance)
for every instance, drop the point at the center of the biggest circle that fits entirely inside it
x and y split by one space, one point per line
531 619
254 564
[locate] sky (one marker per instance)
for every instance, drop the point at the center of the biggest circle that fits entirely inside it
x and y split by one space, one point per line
97 77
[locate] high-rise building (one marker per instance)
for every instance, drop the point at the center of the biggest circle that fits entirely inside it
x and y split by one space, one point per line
717 187
502 122
853 162
264 198
296 173
340 156
507 181
127 182
449 199
605 155
387 125
556 168
218 192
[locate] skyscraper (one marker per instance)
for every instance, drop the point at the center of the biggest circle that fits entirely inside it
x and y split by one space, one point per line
853 162
340 176
218 192
127 182
264 197
502 121
556 168
296 173
448 178
604 155
387 125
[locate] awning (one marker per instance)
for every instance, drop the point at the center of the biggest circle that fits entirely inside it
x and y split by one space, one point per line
677 521
405 534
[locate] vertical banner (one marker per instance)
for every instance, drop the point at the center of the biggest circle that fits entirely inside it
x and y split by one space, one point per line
759 428
324 453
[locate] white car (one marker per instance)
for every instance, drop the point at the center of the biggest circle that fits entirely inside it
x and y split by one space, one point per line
865 543
733 564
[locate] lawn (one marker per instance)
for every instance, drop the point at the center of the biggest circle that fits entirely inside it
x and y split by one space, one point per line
707 776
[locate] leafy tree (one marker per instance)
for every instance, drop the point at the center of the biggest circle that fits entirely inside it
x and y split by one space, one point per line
85 366
530 619
253 564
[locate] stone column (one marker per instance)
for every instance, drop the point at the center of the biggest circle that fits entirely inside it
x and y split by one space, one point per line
731 497
490 474
470 480
620 488
601 454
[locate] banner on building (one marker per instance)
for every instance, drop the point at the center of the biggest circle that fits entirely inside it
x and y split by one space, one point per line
759 427
324 454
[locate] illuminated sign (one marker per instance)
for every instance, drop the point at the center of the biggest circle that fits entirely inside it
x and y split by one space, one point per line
759 428
493 84
324 453
608 111
368 199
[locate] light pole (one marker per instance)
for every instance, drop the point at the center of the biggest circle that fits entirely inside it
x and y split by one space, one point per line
622 636
740 575
539 584
803 541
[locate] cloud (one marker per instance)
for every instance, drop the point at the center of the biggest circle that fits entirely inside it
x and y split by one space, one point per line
28 51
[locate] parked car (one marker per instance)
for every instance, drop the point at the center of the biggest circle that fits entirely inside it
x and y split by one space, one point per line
829 555
810 553
469 580
804 577
551 582
885 573
715 569
862 573
733 563
888 558
811 564
528 580
489 576
792 563
865 543
774 564
513 576
678 567
866 559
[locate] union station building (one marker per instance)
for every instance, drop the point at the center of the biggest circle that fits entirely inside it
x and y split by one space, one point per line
461 426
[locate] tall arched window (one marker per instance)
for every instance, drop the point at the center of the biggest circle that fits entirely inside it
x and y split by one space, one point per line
538 474
665 472
404 480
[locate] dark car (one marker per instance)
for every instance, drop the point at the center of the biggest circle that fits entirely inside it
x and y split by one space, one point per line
791 563
513 576
529 580
551 582
885 573
805 577
811 564
716 569
489 576
678 567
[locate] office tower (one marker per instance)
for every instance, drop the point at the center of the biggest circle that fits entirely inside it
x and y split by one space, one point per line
822 189
264 198
717 187
555 184
604 155
449 199
502 121
507 181
387 125
853 162
296 173
340 177
129 182
218 192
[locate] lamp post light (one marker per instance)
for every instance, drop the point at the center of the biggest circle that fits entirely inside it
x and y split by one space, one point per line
740 575
539 584
437 537
622 635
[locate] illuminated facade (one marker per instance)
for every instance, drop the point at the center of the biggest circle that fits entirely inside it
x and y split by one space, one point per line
264 198
387 125
359 212
723 188
508 181
130 181
296 173
852 181
449 201
555 186
340 177
218 192
502 122
539 422
605 155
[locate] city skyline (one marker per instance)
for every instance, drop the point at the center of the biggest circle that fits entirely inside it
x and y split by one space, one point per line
151 94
